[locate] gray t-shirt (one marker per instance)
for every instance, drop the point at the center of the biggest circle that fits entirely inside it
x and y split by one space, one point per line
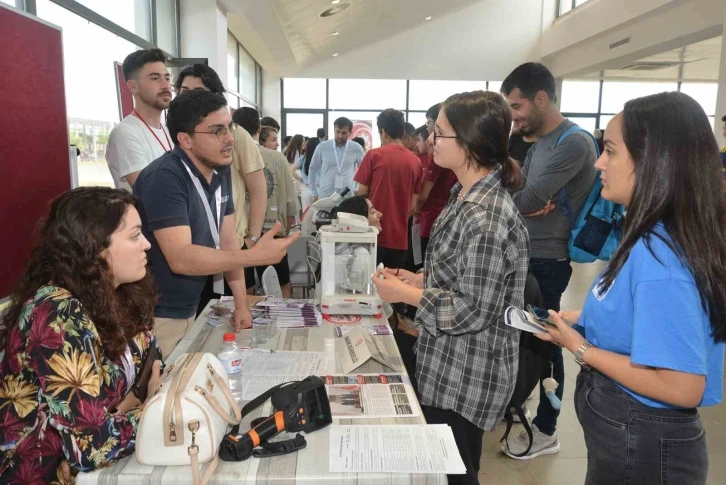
548 168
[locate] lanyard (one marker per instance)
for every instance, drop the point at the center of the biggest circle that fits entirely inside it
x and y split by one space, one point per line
339 162
213 228
136 113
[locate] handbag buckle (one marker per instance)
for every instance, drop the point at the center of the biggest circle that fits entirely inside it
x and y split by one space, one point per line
193 427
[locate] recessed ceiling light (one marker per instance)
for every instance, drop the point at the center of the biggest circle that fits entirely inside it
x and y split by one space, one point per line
428 18
335 55
335 2
337 8
336 32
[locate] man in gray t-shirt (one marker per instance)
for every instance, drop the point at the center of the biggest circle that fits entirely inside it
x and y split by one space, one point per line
549 167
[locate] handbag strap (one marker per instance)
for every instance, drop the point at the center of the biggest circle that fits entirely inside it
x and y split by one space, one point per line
214 402
193 451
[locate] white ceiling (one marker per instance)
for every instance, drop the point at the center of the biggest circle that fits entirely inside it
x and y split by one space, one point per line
695 62
464 40
363 22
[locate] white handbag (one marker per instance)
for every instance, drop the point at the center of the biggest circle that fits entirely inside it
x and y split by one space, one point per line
186 420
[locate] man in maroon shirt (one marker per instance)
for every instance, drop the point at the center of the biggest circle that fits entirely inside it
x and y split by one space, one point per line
437 183
391 176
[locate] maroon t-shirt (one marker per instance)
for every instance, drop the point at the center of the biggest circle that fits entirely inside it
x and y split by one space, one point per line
443 180
393 175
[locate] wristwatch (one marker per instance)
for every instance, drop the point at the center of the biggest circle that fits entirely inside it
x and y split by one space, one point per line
580 352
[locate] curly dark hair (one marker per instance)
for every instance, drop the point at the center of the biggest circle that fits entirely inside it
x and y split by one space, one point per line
68 254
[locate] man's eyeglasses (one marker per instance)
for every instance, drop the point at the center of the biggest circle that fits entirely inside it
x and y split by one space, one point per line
221 132
443 136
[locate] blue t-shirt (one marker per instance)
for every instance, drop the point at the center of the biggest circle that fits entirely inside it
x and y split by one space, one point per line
169 199
653 313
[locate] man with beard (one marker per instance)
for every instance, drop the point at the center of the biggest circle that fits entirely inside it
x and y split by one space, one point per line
188 217
140 137
550 165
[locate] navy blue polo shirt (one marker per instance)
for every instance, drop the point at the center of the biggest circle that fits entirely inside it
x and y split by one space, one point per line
169 199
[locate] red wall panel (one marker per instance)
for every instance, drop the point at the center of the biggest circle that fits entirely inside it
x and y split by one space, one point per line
34 155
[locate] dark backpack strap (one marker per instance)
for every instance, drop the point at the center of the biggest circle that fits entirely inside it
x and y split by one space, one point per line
525 422
278 448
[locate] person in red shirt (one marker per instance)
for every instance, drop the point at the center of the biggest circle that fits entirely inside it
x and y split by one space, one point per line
391 177
435 190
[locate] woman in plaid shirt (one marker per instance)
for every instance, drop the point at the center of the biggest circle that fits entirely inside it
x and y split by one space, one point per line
476 266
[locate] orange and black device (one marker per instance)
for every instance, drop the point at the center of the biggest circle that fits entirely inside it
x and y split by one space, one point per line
298 406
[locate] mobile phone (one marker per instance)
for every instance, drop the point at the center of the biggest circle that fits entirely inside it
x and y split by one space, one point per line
141 385
541 315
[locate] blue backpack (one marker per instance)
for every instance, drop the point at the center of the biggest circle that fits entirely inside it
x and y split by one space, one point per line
595 234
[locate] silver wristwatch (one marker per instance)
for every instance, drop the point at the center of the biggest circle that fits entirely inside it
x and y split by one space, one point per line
580 352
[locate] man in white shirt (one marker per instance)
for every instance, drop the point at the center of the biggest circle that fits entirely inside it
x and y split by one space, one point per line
141 138
334 163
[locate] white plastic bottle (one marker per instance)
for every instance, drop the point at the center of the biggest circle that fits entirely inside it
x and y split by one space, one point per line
231 358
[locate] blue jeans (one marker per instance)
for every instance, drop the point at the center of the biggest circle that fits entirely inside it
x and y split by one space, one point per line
631 443
552 276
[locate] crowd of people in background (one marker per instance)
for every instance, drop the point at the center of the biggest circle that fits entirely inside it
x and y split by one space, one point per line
208 199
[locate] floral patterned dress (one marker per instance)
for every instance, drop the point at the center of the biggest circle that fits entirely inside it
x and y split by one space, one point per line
58 390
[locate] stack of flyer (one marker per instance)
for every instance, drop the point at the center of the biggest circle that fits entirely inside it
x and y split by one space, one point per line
289 313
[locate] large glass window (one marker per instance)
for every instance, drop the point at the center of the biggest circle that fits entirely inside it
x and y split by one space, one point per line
424 94
374 94
132 15
91 100
166 32
303 93
704 93
616 93
247 75
9 2
564 6
232 64
580 96
417 118
244 76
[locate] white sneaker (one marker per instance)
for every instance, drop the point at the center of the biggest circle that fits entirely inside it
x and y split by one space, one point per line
542 445
527 414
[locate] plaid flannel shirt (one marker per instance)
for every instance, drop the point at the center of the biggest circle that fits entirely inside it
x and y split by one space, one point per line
475 268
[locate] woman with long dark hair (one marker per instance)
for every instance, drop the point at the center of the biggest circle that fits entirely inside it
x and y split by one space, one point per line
294 149
300 171
476 267
73 340
655 320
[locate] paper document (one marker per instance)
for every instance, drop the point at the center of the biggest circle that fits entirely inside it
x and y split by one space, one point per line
290 313
416 244
281 363
523 320
395 449
370 395
356 347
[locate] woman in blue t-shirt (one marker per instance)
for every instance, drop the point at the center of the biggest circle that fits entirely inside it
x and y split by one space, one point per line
655 320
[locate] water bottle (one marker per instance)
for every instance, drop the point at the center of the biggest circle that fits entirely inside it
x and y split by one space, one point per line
231 358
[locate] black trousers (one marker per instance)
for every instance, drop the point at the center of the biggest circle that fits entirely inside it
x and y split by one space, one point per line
468 439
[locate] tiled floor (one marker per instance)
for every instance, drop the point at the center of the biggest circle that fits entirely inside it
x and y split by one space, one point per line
568 467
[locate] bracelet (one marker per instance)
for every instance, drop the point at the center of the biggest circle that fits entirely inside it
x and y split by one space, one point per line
579 355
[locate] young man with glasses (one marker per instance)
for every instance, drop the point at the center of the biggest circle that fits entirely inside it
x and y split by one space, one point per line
188 217
140 137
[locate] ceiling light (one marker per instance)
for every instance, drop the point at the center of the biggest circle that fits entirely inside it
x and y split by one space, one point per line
335 2
335 55
428 18
337 8
336 32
